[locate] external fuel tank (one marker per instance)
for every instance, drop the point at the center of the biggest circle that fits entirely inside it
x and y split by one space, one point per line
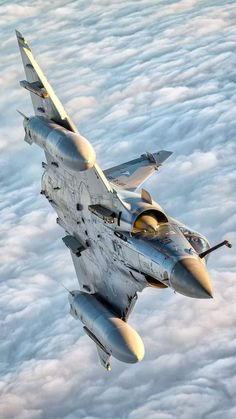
114 335
67 147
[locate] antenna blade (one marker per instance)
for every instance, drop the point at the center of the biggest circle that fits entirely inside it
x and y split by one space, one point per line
21 113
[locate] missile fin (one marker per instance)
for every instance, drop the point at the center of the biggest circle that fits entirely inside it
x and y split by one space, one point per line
104 355
104 358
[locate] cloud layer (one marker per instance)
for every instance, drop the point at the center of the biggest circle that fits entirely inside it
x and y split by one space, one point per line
135 77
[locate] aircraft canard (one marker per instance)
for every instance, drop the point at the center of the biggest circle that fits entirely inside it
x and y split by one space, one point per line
121 241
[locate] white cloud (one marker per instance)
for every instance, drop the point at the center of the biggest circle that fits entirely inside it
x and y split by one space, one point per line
135 77
198 162
13 12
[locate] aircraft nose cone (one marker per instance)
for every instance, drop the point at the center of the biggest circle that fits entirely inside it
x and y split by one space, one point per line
127 346
189 277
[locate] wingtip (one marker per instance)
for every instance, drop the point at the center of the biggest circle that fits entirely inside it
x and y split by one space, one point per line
166 154
159 157
21 40
18 34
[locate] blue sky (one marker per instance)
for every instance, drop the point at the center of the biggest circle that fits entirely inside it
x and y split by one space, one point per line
134 77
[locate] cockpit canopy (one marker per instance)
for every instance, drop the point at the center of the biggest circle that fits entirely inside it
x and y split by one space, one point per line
197 240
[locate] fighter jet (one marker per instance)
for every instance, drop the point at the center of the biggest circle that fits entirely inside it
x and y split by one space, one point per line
121 240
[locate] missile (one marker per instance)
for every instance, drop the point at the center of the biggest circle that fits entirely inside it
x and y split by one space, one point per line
66 147
109 331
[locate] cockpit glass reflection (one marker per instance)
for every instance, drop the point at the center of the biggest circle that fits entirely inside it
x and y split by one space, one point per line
163 232
165 237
